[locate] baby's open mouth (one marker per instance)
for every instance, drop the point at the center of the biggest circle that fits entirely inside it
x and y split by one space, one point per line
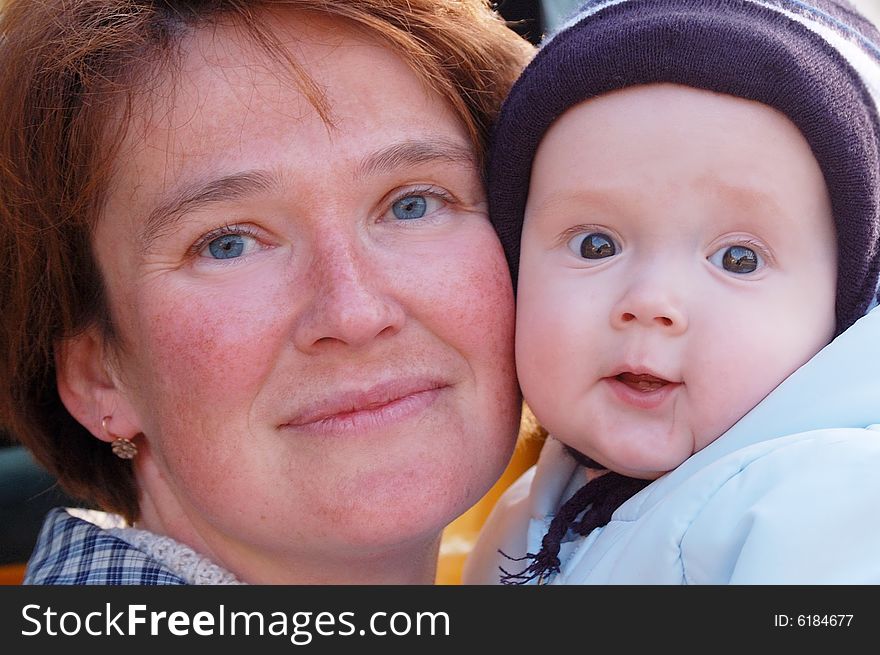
641 382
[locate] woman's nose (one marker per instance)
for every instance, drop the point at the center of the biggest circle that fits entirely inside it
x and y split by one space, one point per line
349 305
651 303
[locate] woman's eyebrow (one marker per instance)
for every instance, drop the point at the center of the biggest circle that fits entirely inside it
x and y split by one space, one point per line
200 193
242 184
414 153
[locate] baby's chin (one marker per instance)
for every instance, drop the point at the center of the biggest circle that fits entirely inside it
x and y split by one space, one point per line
642 463
652 464
639 474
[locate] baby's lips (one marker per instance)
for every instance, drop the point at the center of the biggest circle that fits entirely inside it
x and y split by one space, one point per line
642 381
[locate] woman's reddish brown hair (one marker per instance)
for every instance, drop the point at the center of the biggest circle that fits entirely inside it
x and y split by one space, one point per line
71 69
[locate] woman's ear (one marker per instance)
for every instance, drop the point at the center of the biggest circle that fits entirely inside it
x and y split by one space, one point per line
90 390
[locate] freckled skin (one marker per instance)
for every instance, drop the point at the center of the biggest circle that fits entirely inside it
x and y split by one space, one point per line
333 295
675 175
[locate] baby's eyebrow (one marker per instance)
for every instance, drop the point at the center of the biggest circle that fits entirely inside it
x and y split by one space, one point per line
202 192
562 199
744 197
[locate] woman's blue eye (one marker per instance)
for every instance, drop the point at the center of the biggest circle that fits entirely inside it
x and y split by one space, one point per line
410 207
593 246
736 259
229 246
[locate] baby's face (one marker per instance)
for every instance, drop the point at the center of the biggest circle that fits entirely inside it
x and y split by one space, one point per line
678 261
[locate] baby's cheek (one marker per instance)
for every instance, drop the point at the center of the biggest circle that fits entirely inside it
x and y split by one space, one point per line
553 348
725 387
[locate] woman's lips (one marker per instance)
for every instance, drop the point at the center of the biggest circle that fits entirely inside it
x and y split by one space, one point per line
357 411
641 390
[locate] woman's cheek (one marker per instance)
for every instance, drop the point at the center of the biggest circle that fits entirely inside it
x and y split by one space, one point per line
211 340
478 299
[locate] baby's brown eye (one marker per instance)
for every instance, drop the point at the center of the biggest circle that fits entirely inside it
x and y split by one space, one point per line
740 260
593 246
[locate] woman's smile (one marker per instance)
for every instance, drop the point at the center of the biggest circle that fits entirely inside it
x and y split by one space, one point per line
376 407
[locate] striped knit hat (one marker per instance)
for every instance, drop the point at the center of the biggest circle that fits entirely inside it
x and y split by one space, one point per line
816 61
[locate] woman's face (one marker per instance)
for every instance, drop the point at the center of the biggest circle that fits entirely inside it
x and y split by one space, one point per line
316 319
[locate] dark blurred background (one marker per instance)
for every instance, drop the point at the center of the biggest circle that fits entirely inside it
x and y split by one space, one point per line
27 492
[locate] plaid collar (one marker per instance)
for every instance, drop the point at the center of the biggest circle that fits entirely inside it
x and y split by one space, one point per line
73 551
